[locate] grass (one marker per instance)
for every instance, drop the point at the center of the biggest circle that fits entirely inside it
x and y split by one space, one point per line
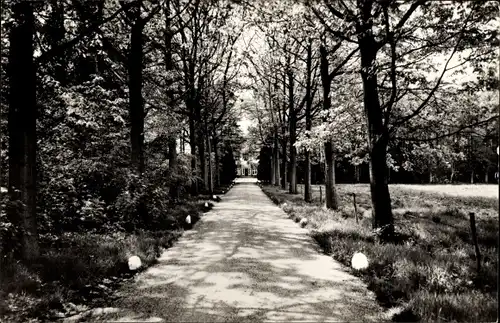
82 268
431 272
470 196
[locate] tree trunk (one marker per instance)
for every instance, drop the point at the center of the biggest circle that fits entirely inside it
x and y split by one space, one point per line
330 188
284 141
192 145
203 164
210 171
331 197
293 135
172 163
486 177
377 131
172 144
356 173
277 172
273 166
471 157
307 175
307 178
284 164
136 105
57 34
217 162
22 133
201 156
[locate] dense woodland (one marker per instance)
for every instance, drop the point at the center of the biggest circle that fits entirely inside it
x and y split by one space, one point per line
113 112
375 91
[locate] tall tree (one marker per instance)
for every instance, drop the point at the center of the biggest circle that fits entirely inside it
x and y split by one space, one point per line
387 56
331 197
135 82
22 130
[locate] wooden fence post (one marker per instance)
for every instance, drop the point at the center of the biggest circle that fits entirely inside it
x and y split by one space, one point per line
474 239
321 194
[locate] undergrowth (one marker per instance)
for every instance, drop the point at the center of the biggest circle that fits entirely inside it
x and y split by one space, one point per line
84 267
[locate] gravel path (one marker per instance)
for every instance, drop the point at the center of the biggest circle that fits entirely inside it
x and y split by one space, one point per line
244 261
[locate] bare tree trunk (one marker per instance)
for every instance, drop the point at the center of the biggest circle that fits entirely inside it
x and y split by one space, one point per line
210 170
22 133
307 175
377 131
330 189
172 144
172 163
284 164
273 166
217 162
192 144
201 156
307 178
136 103
276 158
331 197
293 135
471 156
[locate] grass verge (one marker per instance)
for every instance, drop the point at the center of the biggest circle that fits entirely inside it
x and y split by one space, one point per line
81 269
430 275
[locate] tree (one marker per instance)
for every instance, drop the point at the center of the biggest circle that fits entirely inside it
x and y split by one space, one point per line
135 81
228 167
22 131
389 53
264 167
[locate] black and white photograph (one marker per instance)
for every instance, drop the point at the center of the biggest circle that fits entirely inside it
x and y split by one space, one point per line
249 161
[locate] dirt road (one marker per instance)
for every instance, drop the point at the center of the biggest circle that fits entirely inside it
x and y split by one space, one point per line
245 261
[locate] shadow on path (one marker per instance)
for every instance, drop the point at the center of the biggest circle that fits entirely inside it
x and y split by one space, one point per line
245 261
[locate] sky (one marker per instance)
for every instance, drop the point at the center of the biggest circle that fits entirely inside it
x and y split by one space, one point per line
244 123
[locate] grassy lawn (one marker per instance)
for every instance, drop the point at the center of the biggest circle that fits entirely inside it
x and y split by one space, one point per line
78 270
430 275
464 190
